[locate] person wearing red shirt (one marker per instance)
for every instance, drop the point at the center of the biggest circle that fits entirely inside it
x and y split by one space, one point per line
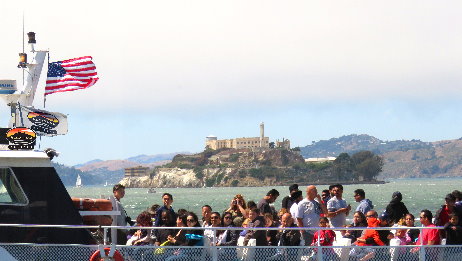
324 238
429 236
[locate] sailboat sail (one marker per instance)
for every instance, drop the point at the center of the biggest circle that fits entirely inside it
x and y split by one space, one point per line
78 182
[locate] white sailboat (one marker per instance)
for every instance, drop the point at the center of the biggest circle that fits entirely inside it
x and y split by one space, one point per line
78 182
105 184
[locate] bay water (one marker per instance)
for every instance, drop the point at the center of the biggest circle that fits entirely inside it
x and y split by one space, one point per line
418 194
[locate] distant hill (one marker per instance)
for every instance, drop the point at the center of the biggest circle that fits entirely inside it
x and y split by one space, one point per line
144 159
110 165
86 163
440 159
115 165
354 143
402 158
97 172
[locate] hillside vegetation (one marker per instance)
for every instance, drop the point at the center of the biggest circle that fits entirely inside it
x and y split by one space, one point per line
402 158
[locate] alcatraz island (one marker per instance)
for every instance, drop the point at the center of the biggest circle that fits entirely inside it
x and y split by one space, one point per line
255 161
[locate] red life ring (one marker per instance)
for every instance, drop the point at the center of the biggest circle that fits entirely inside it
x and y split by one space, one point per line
91 204
97 257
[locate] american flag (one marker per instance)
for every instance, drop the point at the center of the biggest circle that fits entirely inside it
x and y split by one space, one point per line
70 75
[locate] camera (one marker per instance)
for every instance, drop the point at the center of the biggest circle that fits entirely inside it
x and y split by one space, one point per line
129 221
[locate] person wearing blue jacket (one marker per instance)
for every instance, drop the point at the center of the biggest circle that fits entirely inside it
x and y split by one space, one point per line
364 204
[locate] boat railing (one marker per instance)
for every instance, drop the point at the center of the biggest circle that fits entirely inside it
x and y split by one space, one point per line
341 250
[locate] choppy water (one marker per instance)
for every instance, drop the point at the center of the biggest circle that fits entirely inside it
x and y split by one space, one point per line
418 194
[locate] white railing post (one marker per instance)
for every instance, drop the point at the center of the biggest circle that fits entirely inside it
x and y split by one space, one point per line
214 246
422 252
114 220
319 254
105 236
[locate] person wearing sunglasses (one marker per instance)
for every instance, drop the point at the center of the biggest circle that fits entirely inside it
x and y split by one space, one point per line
227 237
215 221
430 236
193 238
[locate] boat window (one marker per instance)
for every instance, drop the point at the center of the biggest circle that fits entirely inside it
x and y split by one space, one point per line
10 191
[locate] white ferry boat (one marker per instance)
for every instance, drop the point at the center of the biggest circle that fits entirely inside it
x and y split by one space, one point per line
40 221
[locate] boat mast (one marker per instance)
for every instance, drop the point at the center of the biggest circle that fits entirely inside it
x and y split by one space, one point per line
34 70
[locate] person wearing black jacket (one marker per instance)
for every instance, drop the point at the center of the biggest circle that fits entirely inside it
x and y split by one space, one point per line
453 230
162 235
288 201
256 221
167 199
227 238
180 236
259 235
287 238
385 235
396 209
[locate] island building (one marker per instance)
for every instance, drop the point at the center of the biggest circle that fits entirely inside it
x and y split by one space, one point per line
308 160
239 143
285 143
139 171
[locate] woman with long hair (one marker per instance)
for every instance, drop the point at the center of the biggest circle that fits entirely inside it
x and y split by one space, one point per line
179 238
359 220
194 237
227 237
141 236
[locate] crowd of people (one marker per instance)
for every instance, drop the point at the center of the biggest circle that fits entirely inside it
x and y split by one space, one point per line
328 212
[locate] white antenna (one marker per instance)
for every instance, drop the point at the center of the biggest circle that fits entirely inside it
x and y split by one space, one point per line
23 45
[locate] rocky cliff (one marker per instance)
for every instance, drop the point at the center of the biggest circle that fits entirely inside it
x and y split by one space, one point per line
226 168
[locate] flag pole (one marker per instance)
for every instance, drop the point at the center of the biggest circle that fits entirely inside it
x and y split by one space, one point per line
20 114
23 69
44 93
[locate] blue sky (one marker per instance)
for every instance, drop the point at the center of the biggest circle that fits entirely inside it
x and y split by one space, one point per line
173 72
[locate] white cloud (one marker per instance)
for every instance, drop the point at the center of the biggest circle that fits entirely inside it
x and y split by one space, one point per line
161 54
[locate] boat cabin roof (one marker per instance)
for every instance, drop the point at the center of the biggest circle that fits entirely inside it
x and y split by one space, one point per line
11 158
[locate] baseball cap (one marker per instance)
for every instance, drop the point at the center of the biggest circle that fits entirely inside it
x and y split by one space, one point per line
384 216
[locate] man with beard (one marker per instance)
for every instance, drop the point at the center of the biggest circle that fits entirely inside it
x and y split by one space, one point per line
337 207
